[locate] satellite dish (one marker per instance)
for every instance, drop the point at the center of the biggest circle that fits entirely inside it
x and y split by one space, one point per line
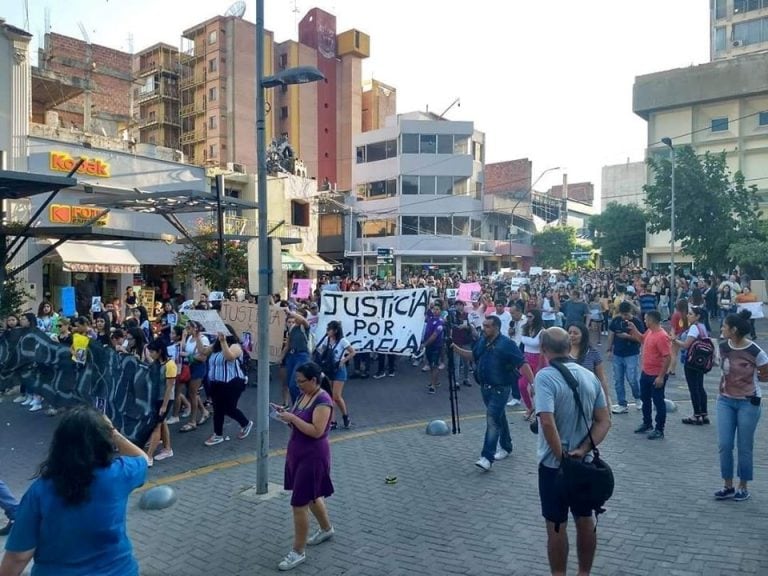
237 9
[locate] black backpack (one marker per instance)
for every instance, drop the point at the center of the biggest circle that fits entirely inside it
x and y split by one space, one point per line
700 355
326 359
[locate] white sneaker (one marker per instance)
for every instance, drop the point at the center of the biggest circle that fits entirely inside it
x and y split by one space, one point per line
213 440
441 366
163 454
185 414
172 420
425 368
619 409
35 406
639 404
28 401
484 464
20 399
292 560
513 402
500 454
245 431
320 536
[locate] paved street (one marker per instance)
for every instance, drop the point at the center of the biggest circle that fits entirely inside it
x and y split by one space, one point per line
443 516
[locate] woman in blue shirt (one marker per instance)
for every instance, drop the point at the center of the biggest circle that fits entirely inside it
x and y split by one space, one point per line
72 520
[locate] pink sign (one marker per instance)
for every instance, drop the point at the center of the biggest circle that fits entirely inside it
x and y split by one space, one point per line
470 291
302 288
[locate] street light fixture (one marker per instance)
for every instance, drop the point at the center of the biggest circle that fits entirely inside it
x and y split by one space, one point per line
298 75
668 142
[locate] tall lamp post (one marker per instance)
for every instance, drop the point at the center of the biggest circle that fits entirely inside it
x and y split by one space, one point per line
297 75
668 142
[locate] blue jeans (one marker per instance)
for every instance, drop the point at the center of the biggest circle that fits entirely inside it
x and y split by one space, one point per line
626 367
736 417
649 392
496 424
8 503
292 361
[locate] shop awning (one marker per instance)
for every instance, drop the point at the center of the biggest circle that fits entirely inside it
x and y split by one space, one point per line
314 262
291 263
105 257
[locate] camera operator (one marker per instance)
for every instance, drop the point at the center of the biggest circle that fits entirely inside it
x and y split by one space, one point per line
497 362
462 334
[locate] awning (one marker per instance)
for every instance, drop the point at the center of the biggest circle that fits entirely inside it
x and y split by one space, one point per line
104 257
291 263
314 262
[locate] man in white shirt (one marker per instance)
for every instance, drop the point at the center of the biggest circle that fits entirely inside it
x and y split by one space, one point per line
475 315
516 327
502 314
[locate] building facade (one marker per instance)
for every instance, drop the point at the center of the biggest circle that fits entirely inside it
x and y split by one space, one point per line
623 184
156 70
417 191
738 27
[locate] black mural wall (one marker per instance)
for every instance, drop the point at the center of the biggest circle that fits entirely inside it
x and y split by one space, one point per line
125 389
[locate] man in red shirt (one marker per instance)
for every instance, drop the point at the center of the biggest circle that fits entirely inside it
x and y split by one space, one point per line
657 354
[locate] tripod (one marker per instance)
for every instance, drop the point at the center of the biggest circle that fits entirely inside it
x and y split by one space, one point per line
453 387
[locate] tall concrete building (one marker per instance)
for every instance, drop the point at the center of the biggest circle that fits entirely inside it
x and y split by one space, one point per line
379 103
156 70
738 27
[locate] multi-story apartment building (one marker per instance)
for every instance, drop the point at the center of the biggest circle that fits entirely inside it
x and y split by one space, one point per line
738 27
623 184
417 190
157 97
379 103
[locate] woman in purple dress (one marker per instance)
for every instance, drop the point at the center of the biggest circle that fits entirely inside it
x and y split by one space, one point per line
308 461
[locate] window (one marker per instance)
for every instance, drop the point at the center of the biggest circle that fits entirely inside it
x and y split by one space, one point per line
283 112
477 228
762 119
152 115
741 6
377 228
750 32
426 224
721 9
212 151
460 186
376 151
445 184
445 144
427 143
460 144
427 185
360 154
212 94
477 151
719 39
444 225
213 65
409 225
283 60
410 144
409 184
299 213
391 146
460 226
212 37
377 190
719 124
330 225
212 123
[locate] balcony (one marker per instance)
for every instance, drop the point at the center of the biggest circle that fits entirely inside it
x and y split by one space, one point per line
192 109
167 119
165 91
192 79
192 136
241 226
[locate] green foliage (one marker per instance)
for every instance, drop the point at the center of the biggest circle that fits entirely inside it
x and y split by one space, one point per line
713 210
13 296
204 264
553 246
619 232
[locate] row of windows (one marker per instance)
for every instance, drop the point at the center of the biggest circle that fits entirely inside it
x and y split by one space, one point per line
722 124
420 225
739 7
416 144
416 185
751 32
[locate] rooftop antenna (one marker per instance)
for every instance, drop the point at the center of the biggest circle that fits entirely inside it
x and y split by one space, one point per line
295 13
26 14
456 102
130 42
47 12
237 9
87 99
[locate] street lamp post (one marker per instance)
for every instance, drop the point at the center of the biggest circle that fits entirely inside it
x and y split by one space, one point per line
297 75
668 142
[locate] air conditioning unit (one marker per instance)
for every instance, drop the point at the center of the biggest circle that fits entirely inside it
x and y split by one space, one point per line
235 167
738 43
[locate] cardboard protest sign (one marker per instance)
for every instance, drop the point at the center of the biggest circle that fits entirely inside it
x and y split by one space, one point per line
386 321
119 385
301 288
470 291
244 318
756 308
210 320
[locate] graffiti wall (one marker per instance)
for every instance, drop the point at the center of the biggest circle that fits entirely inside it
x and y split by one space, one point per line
119 385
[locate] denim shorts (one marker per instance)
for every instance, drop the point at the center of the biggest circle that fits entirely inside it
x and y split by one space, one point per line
341 374
197 370
432 356
553 507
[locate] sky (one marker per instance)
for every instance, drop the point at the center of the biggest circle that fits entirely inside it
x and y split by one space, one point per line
548 80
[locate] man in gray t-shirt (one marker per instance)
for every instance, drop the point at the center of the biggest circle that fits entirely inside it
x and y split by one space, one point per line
563 433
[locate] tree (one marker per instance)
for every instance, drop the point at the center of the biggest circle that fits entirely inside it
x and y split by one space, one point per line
749 253
13 296
554 245
619 232
203 263
712 209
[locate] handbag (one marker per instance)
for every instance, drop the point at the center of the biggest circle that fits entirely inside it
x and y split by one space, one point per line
185 374
582 484
326 359
701 353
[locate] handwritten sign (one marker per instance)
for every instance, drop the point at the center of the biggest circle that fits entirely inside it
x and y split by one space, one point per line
470 291
210 319
755 307
386 321
147 299
302 288
244 318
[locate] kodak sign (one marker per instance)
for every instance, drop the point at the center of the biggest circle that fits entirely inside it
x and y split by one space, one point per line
77 215
63 162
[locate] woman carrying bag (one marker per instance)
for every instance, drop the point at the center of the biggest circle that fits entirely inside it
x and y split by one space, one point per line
334 353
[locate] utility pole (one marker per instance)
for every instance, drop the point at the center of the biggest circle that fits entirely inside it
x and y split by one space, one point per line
668 142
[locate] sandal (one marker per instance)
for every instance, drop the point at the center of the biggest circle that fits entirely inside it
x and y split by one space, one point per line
691 420
189 427
204 419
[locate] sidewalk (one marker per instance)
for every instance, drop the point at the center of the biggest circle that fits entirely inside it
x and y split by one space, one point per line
444 516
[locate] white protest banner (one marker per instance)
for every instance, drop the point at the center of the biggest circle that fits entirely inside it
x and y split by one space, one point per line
470 291
210 320
756 308
386 321
244 318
